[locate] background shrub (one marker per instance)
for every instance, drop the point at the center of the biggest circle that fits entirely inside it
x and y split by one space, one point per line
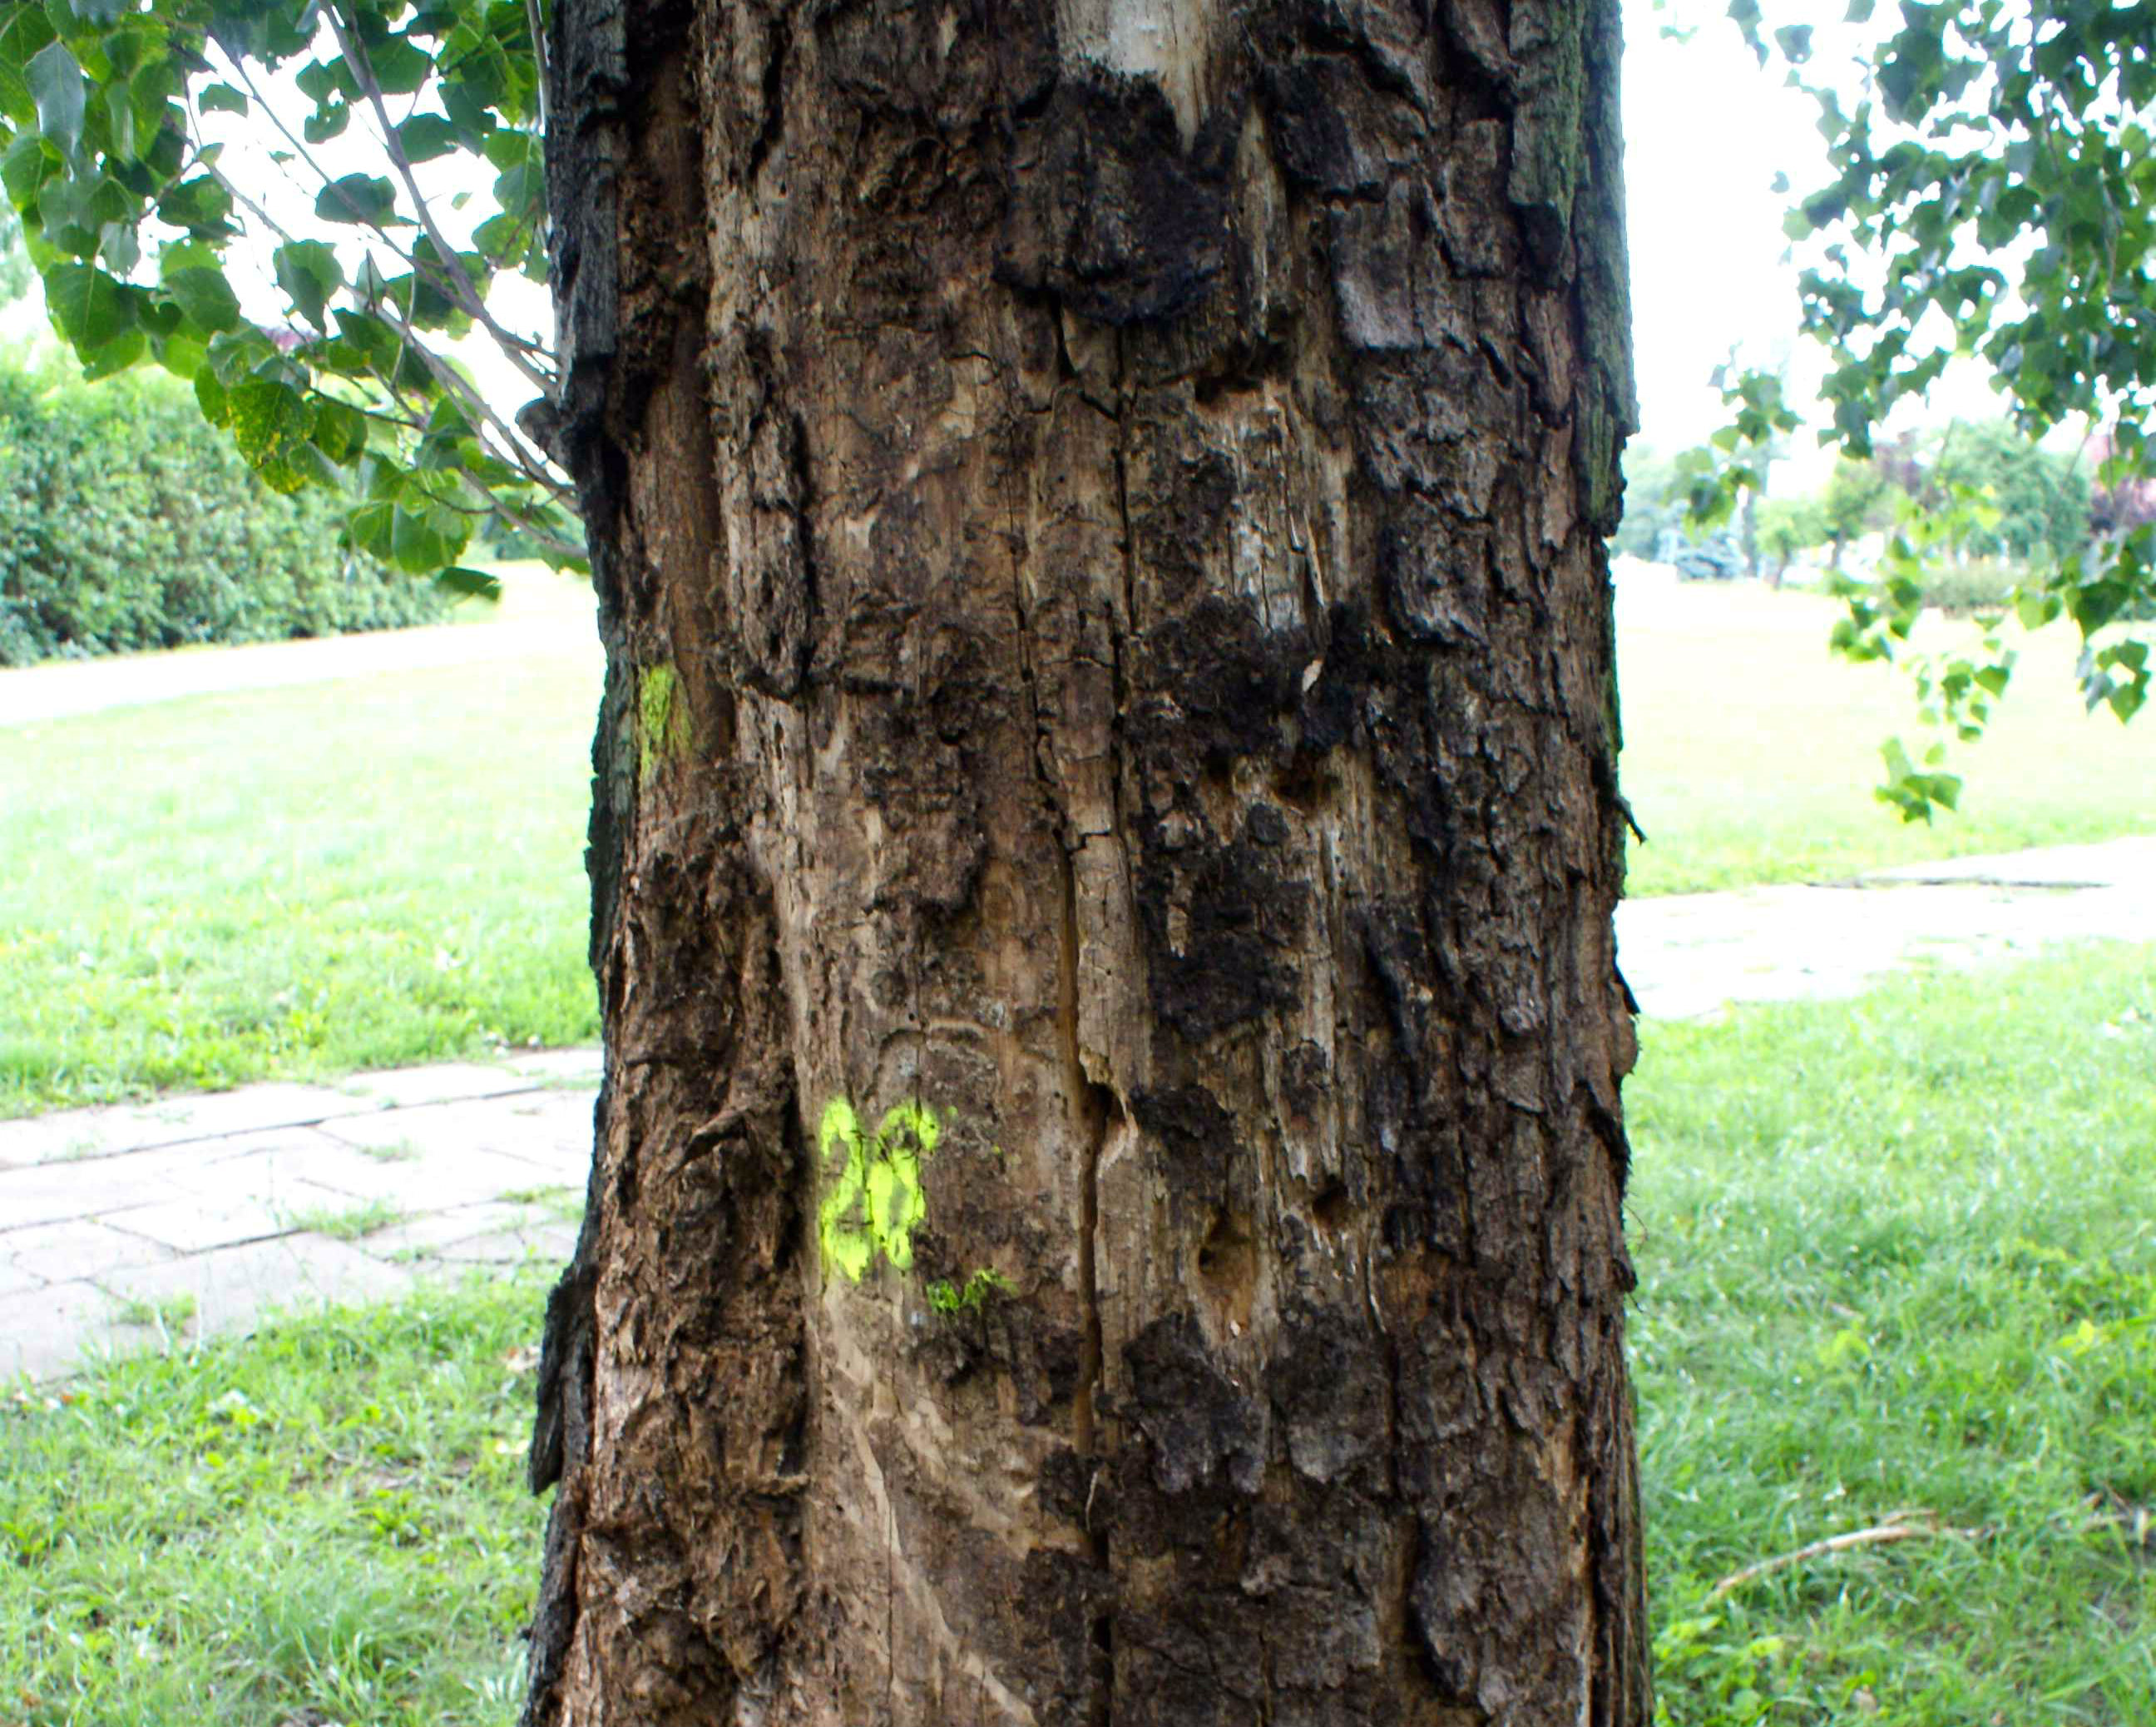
127 523
1982 584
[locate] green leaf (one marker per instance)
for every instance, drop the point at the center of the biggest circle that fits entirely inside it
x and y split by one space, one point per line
508 149
120 121
100 12
426 539
468 583
24 169
181 355
222 98
205 296
199 205
127 52
22 33
339 429
309 273
503 239
371 527
211 396
55 80
269 418
119 248
425 136
400 67
327 123
89 306
115 356
374 339
365 199
320 80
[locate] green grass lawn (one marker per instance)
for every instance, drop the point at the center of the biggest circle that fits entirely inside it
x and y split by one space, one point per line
1750 753
1893 1256
297 882
1899 1255
325 1522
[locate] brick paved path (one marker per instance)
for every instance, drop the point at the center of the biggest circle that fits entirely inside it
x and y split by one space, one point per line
129 1227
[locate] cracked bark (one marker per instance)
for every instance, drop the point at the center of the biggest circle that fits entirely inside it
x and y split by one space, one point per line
1118 486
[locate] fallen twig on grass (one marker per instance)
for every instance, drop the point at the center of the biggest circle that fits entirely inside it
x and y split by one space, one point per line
1901 1526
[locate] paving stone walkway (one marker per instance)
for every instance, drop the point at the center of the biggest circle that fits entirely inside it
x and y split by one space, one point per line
1689 954
145 1227
148 1227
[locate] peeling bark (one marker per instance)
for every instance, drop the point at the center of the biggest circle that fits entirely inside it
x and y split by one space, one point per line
1106 499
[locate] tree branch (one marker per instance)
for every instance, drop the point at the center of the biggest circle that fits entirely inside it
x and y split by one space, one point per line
458 284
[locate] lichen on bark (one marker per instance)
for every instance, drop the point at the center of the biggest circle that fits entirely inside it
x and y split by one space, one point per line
661 725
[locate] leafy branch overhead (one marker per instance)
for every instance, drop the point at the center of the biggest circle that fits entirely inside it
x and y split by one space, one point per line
111 114
1992 194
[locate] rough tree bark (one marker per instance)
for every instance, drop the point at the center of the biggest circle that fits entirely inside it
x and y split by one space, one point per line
1106 827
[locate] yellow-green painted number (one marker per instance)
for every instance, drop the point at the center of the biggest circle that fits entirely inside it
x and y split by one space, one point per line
877 1200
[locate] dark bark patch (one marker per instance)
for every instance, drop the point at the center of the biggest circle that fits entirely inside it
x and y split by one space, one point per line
1198 1141
1319 110
1241 917
1228 685
1329 1385
1105 210
1197 1421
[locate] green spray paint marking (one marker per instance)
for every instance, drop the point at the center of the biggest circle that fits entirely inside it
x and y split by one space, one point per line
877 1200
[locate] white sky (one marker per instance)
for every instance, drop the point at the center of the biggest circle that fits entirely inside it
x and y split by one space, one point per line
1706 130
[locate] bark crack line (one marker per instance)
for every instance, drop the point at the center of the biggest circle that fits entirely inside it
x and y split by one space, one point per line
772 122
1123 489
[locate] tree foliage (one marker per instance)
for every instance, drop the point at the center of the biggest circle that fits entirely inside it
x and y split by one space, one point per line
2040 496
1991 192
110 124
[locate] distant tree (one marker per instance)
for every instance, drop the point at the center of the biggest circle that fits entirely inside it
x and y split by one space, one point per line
2041 496
1651 506
1854 502
1786 527
2122 506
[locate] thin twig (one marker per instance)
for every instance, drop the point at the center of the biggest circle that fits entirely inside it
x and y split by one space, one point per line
1902 1526
538 58
515 447
321 174
516 450
457 282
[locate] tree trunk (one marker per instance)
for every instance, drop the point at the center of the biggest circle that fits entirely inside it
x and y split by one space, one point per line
1106 1200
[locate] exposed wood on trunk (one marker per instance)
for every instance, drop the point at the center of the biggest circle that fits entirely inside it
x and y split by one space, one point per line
1107 829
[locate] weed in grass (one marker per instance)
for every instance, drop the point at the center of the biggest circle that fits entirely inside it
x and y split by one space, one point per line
169 1314
352 1224
1898 1254
564 1204
401 1151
